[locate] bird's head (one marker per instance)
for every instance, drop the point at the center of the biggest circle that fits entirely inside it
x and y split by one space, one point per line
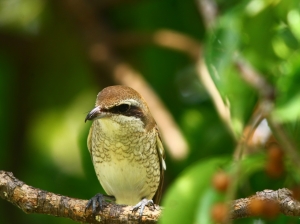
123 105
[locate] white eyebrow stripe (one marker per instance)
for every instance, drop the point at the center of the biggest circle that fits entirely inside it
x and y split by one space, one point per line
131 102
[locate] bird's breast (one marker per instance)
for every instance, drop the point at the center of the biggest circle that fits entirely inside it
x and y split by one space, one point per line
125 161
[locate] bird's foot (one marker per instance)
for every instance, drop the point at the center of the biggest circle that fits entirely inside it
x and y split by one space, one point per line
142 205
98 200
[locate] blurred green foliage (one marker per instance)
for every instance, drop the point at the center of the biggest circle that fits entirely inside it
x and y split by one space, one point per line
47 85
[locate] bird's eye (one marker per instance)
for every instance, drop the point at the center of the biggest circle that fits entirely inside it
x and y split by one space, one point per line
123 108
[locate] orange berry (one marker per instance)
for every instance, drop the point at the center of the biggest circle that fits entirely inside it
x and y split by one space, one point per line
275 169
256 207
271 209
275 153
265 208
296 192
219 212
221 181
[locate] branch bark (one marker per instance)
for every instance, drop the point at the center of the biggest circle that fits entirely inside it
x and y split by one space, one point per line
266 203
34 200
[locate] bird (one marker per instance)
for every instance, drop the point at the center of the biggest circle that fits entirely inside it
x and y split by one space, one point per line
126 149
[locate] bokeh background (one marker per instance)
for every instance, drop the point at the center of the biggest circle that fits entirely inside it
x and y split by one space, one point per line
211 71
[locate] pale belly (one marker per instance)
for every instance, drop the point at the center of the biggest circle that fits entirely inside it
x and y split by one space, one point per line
124 179
127 168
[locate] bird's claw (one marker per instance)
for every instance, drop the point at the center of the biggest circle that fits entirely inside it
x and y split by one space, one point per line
98 200
142 205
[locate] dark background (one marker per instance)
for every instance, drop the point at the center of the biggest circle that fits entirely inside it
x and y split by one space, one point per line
55 56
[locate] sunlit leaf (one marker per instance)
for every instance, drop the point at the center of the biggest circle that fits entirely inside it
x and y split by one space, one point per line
221 50
190 198
189 191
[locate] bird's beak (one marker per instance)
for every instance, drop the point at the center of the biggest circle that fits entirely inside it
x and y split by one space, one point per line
95 113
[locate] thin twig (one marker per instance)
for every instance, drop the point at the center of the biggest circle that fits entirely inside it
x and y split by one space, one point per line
248 132
266 104
165 38
222 109
256 80
209 12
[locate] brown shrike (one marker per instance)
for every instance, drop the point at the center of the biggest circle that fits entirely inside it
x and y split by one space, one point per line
126 149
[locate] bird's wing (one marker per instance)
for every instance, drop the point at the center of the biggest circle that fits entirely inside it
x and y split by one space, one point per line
89 139
161 156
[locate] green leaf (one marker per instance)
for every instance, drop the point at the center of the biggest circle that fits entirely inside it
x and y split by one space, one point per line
220 53
190 190
191 197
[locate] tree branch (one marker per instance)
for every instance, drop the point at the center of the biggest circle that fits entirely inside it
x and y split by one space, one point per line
34 200
266 203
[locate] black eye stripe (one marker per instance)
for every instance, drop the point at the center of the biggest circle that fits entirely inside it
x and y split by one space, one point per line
127 110
123 108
